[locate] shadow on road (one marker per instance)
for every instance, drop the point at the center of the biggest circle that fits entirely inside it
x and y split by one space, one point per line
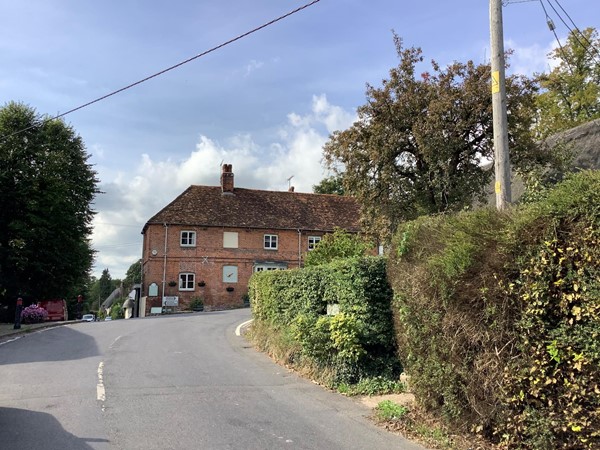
53 344
20 428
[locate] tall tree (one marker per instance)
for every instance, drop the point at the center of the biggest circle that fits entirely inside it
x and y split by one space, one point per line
330 185
133 275
420 141
571 91
46 191
105 285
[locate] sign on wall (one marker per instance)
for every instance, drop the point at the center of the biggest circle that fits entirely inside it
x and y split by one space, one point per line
171 301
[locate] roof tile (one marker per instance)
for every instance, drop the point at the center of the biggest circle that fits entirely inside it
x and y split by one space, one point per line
250 208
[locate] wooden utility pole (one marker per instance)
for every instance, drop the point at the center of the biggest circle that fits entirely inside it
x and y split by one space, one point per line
501 155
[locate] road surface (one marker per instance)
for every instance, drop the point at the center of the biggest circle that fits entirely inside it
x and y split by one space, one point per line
176 382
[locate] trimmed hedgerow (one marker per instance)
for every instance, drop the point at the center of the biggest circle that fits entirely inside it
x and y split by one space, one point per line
355 340
498 317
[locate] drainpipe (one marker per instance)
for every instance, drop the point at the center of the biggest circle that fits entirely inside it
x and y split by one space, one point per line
136 309
164 280
299 248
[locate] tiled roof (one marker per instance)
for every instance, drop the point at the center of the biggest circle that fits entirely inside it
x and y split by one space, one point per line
250 208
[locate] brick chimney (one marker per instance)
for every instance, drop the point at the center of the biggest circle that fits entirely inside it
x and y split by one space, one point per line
226 179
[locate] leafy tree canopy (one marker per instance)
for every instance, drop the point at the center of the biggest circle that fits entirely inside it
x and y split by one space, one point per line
571 91
421 140
46 191
330 185
133 275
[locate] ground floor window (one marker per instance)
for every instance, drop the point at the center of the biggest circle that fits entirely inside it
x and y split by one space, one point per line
260 267
186 281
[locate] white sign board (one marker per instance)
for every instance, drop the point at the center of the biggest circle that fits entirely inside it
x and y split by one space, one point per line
170 301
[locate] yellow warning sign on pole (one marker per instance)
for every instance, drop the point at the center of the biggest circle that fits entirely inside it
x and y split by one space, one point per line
495 82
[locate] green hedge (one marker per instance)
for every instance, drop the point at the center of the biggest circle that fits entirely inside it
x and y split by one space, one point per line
498 317
290 310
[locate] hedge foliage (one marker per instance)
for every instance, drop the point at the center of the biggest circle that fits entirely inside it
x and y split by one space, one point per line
498 317
290 312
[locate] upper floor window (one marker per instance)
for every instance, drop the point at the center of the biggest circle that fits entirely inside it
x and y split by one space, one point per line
188 239
230 239
271 241
313 241
186 281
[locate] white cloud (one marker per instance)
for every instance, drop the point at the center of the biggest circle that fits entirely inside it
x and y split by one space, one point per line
527 60
252 66
133 197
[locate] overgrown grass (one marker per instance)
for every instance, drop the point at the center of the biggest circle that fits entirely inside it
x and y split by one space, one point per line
372 386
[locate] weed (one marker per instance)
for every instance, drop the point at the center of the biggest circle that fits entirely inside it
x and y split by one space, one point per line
372 386
389 410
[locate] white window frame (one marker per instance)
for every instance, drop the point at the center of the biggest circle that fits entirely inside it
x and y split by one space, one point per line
188 235
230 239
187 281
270 242
265 266
313 241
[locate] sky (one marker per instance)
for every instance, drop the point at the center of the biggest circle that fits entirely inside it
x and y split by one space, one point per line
265 104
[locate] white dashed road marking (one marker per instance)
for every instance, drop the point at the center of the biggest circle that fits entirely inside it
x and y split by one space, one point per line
100 391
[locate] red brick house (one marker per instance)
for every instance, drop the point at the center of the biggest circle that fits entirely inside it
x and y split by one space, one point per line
210 239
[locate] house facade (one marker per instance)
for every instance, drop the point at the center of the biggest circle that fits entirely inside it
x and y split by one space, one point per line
209 240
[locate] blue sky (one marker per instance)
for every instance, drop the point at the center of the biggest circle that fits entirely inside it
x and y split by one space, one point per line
265 104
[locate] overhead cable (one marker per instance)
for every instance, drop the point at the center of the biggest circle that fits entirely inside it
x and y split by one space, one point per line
199 55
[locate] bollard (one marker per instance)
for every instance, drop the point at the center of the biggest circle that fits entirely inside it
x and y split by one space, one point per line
18 310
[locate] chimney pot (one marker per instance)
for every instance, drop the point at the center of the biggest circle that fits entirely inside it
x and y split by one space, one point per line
227 179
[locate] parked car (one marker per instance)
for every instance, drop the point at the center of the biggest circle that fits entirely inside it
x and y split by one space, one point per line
107 318
88 317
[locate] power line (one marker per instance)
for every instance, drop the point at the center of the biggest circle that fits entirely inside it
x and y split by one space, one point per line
590 45
552 28
587 48
199 55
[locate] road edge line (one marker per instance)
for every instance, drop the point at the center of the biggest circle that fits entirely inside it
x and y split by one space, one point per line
238 330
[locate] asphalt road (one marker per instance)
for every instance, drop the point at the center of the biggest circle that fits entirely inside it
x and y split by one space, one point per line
178 382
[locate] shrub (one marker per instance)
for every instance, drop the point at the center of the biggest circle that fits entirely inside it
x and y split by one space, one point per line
354 340
196 303
338 245
33 314
498 317
116 310
553 388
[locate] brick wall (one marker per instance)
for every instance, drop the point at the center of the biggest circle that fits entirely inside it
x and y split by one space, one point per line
206 261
